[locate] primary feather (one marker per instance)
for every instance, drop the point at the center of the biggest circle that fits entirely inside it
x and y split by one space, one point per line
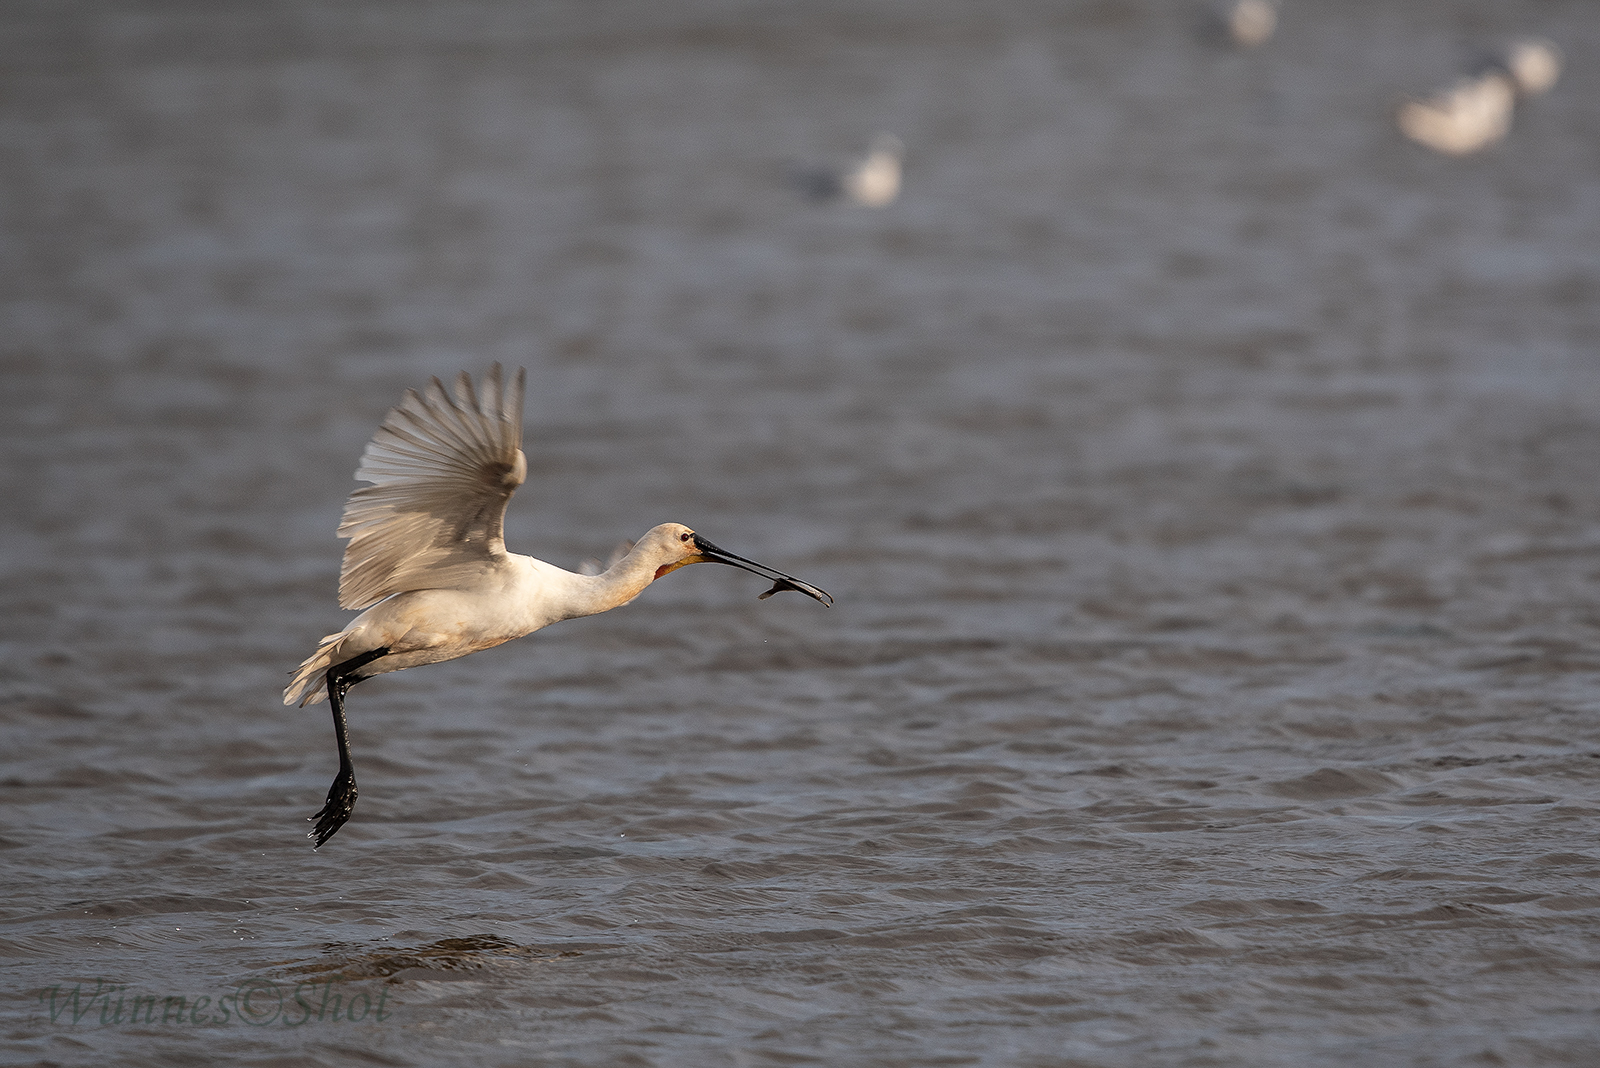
442 469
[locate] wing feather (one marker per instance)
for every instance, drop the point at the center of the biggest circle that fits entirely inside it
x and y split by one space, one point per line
442 468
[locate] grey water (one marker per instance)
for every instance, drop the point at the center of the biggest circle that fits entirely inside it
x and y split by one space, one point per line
1205 475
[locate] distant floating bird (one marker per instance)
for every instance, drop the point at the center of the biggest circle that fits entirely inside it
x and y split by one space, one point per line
873 181
1240 23
427 558
1252 22
1477 110
1471 115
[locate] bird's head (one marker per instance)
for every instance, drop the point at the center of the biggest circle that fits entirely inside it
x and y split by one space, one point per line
673 545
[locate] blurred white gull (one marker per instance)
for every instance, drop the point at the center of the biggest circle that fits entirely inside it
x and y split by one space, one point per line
873 181
1476 111
1469 116
1239 23
1251 22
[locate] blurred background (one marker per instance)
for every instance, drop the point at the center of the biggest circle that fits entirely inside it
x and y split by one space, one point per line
1204 471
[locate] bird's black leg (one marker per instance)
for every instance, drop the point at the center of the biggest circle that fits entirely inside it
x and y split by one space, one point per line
342 794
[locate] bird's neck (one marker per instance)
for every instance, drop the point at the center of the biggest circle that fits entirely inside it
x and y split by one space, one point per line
617 585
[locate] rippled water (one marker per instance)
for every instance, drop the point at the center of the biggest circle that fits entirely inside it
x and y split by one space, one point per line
1206 478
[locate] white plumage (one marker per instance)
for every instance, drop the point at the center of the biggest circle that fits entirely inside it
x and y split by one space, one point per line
1251 22
442 473
1471 115
1534 63
872 181
1477 110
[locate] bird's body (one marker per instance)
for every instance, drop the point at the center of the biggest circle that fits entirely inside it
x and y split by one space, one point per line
428 563
1477 110
1237 24
872 181
1251 22
510 598
1471 115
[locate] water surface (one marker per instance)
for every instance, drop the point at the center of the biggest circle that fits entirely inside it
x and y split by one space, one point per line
1205 476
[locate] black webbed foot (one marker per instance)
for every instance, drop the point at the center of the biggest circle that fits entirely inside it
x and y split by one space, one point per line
342 794
341 802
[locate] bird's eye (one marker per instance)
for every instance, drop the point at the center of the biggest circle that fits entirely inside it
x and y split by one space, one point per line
684 536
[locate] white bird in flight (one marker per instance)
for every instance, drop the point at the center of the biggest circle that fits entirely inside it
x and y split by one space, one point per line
427 558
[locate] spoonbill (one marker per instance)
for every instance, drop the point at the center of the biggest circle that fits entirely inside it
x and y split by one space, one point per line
427 558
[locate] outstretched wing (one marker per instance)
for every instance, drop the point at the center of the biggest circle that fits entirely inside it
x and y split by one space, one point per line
442 469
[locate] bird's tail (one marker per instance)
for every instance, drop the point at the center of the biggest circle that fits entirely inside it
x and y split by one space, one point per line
310 677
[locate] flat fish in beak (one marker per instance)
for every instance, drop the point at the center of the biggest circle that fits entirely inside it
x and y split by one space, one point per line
780 581
787 584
